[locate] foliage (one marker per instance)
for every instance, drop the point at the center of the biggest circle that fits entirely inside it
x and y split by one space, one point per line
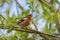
40 8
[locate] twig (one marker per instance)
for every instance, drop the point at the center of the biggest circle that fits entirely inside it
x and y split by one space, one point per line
3 17
56 11
35 25
57 23
51 2
19 5
44 2
17 8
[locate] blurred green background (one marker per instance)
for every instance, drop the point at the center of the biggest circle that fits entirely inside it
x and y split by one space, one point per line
46 17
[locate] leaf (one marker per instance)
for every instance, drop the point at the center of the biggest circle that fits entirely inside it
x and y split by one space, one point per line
26 12
4 37
8 15
47 28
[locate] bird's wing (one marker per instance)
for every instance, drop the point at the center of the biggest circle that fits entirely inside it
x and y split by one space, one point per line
21 20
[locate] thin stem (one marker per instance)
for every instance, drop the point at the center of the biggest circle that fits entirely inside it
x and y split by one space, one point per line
17 8
3 17
19 5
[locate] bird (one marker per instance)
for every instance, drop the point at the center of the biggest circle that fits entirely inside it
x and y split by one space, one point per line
25 21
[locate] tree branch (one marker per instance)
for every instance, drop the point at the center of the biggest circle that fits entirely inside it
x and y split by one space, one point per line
30 31
35 25
3 17
17 8
57 19
19 5
46 3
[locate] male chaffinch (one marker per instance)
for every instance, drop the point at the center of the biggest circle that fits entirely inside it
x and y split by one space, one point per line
25 21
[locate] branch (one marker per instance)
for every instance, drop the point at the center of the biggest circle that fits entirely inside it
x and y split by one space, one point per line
35 25
3 17
19 5
34 31
17 8
51 2
57 23
46 3
56 11
30 31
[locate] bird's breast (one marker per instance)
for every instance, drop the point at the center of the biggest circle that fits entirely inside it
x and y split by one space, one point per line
25 23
